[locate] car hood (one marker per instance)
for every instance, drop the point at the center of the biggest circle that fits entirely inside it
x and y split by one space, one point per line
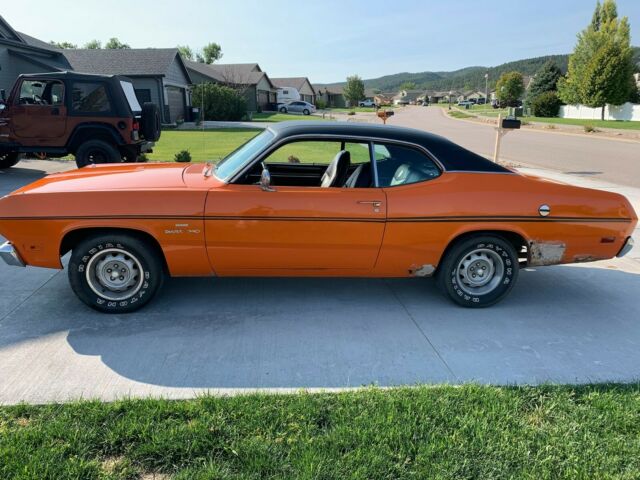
133 176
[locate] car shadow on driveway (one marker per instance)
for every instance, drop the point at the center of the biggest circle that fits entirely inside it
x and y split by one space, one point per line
562 324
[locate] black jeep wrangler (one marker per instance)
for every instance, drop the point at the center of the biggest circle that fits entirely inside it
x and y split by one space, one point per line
97 118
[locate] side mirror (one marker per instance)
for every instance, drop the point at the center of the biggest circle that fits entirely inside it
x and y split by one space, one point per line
265 180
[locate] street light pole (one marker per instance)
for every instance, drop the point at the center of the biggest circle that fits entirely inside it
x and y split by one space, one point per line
450 93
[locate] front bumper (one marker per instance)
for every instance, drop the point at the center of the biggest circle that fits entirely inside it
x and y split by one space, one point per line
10 255
626 248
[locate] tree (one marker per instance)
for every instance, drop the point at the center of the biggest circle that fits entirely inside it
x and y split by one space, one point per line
93 45
408 86
545 80
186 52
210 53
510 88
546 104
354 90
601 66
63 45
115 44
220 102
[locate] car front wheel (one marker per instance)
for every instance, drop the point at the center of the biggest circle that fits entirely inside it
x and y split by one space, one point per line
283 110
479 271
115 273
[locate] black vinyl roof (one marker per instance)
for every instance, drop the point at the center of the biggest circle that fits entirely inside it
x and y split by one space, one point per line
452 156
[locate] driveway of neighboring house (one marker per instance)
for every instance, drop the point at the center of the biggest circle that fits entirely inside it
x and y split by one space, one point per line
560 324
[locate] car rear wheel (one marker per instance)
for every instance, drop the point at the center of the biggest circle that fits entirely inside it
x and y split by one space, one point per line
115 273
479 271
283 110
95 152
306 112
8 160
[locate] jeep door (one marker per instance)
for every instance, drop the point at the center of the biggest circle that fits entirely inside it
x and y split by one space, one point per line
39 113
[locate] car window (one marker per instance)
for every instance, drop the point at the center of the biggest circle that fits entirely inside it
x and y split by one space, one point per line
239 158
400 165
89 97
318 152
41 92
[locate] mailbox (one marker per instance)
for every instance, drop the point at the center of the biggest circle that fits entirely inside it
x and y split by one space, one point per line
384 114
510 123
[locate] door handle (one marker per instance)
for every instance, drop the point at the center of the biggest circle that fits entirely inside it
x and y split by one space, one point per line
55 111
375 203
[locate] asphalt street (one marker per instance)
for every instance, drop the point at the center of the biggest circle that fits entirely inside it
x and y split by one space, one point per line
559 324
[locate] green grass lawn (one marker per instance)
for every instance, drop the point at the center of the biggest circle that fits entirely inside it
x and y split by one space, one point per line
445 432
359 109
282 117
459 114
624 125
203 145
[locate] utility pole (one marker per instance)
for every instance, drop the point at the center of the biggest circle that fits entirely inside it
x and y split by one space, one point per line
486 88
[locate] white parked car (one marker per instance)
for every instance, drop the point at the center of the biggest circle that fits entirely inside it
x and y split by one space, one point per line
464 103
367 103
304 108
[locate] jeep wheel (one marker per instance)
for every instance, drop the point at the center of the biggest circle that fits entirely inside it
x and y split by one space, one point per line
150 125
8 160
96 151
115 273
479 271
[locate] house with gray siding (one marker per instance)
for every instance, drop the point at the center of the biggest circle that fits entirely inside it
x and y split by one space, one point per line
20 53
248 78
158 74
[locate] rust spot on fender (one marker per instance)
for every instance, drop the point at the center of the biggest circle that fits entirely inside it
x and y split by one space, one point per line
422 270
545 253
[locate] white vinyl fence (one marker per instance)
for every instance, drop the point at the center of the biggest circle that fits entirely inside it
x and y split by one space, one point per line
627 111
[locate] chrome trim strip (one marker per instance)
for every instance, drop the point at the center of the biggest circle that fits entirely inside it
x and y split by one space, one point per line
10 255
626 248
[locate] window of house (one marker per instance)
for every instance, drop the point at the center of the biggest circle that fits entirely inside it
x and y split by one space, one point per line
90 97
143 95
41 92
400 165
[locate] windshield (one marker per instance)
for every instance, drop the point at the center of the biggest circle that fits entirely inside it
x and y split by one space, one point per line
236 160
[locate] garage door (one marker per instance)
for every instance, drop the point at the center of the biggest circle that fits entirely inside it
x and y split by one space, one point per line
175 96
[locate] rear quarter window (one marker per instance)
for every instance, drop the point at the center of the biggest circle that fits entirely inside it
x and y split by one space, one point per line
90 97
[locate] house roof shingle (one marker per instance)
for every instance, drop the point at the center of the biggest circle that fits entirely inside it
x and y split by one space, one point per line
295 82
131 61
232 73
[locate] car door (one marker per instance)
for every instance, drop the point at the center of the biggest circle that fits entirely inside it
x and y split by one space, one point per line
39 113
295 229
295 107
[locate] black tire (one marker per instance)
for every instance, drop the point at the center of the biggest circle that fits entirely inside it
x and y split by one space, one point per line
306 112
493 255
142 262
96 151
8 160
151 123
283 110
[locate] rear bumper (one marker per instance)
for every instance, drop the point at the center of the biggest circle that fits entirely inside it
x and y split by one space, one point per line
10 255
626 248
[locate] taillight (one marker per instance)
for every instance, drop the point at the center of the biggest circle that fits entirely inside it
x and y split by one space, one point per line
134 130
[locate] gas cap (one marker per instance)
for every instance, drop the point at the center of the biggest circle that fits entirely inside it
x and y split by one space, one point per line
544 210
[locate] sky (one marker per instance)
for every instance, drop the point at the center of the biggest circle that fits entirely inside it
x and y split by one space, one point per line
330 39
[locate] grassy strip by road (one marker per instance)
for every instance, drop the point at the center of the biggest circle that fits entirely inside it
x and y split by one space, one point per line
203 145
440 432
618 124
282 117
457 114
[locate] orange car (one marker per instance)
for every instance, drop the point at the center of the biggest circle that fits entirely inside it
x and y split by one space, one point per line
310 199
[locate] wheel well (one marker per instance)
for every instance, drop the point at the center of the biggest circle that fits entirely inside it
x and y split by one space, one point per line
74 237
518 241
106 133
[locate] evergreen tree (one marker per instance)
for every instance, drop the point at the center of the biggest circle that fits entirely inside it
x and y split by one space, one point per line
545 80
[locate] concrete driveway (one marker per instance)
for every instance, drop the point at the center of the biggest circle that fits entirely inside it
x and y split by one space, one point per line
560 324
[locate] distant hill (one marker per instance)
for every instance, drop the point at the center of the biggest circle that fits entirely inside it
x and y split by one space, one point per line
469 78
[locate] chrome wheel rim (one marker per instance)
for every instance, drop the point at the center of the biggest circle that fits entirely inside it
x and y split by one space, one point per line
114 274
480 271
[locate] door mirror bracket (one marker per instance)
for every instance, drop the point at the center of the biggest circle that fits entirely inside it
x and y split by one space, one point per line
265 180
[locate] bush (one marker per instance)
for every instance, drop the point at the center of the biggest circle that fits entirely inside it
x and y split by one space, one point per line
546 104
320 104
182 156
351 112
590 129
220 102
